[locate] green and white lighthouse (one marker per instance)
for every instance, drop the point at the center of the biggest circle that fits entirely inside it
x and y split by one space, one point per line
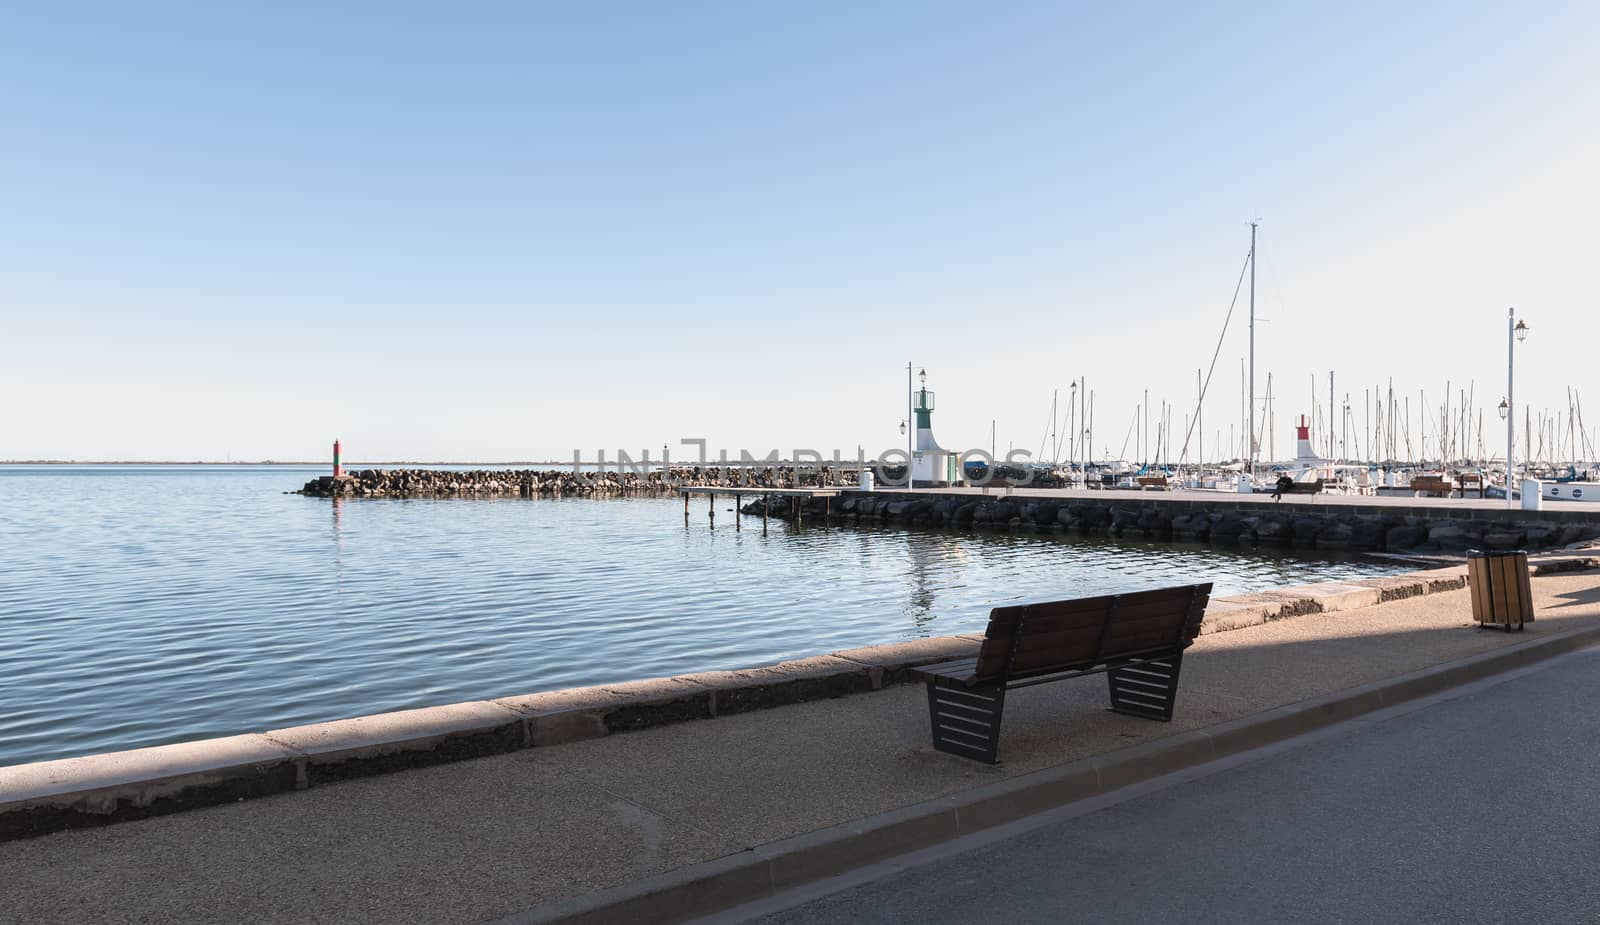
931 464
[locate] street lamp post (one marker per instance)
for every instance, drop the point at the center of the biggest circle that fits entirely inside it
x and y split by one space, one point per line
1072 431
911 435
1516 332
903 424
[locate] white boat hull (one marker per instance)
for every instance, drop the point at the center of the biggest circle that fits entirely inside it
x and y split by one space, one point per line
1570 491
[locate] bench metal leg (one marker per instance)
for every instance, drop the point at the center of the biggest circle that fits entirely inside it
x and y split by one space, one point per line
966 720
1148 689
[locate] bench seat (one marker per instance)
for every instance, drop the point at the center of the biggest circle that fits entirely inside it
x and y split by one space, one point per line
1136 639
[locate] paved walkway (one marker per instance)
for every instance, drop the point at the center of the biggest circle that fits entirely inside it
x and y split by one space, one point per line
482 839
1477 807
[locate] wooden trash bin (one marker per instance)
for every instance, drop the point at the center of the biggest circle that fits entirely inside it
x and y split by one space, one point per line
1501 593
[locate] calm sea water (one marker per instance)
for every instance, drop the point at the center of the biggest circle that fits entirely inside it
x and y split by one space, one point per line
146 605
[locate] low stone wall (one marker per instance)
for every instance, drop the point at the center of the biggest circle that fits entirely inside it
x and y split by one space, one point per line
533 483
1343 527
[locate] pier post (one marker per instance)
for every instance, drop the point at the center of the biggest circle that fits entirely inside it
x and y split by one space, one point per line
685 507
711 507
765 503
738 515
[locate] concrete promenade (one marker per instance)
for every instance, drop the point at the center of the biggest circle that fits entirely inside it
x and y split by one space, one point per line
1403 816
673 820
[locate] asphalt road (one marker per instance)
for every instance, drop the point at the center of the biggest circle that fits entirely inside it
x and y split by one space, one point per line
1482 807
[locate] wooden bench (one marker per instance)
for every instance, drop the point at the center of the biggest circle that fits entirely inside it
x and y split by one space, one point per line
1136 639
1435 485
1470 481
1151 481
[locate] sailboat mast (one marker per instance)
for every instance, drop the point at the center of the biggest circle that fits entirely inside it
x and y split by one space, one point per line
1251 436
1272 443
1054 393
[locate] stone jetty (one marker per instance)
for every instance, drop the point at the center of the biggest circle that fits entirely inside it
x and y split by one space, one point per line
535 483
1222 521
1363 525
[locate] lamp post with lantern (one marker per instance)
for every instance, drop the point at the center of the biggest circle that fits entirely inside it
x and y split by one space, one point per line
1516 332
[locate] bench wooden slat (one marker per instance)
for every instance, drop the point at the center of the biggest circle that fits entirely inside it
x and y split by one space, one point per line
1084 657
1130 613
1133 599
960 668
1128 619
1085 639
1130 662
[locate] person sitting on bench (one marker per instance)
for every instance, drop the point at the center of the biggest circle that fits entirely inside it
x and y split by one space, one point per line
1284 486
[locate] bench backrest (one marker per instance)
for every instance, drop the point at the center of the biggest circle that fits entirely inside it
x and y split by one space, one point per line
1035 639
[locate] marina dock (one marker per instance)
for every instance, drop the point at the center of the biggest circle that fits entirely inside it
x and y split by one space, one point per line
1362 523
795 496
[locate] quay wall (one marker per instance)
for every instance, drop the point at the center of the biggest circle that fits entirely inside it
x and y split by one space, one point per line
1224 520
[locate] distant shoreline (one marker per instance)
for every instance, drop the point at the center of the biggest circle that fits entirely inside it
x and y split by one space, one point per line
276 462
399 463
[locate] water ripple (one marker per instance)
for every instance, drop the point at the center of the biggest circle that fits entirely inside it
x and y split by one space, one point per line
141 606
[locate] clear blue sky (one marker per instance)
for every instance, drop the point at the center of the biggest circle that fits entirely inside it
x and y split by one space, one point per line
502 231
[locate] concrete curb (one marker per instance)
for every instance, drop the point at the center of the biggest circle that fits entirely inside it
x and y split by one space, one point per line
49 796
1231 613
100 789
735 879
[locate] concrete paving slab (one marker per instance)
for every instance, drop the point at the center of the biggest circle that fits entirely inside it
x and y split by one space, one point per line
788 682
1224 614
559 717
1396 587
95 789
461 843
404 738
888 664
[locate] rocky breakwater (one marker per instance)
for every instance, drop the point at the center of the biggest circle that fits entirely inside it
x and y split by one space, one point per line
535 483
1365 529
